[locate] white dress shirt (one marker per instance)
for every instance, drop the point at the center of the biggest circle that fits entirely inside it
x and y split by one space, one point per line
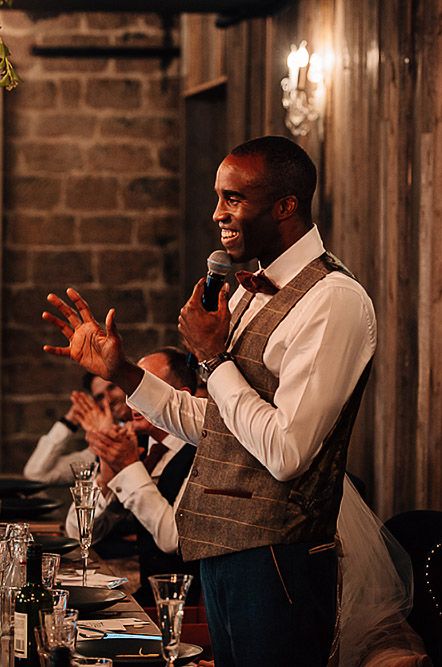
50 461
134 490
318 352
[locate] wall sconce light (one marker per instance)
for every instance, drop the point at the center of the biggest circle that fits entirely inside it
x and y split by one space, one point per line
303 89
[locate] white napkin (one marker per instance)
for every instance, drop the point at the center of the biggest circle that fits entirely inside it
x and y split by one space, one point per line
94 579
86 628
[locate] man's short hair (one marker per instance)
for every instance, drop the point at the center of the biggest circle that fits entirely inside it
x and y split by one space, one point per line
87 381
289 170
184 375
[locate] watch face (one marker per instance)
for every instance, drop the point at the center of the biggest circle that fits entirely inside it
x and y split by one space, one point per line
206 367
203 371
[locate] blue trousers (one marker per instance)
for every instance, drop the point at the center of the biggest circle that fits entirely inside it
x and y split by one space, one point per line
271 606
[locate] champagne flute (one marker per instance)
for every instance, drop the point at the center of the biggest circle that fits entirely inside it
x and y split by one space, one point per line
170 591
85 500
83 471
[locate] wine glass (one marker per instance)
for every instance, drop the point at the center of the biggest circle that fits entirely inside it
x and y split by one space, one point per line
83 471
85 500
170 591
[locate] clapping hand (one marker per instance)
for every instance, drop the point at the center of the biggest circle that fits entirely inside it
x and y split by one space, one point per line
99 351
91 416
118 446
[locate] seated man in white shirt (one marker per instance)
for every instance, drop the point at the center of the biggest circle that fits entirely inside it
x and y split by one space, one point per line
148 489
103 404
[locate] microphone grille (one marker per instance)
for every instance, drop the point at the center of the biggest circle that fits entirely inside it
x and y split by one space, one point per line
219 262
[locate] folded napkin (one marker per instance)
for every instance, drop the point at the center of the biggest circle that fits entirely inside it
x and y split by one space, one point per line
88 629
94 579
98 628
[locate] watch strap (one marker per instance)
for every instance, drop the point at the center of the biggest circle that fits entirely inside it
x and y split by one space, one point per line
207 366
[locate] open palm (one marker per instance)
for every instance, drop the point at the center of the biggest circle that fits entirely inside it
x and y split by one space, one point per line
98 351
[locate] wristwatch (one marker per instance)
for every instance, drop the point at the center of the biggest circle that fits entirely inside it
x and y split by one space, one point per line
206 367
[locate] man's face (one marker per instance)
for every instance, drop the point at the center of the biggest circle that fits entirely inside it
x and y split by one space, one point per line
101 389
158 365
244 211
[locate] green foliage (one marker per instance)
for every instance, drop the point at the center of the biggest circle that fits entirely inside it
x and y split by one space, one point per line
9 78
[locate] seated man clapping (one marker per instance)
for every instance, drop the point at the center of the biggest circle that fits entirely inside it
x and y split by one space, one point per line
102 405
148 489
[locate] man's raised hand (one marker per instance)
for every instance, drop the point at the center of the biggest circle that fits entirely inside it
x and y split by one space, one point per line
99 351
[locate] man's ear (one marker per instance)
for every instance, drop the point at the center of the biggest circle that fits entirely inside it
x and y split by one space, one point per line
286 207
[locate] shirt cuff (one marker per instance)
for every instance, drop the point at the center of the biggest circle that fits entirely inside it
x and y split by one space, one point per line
128 480
224 382
150 396
59 431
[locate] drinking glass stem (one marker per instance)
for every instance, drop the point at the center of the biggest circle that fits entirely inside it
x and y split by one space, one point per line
85 557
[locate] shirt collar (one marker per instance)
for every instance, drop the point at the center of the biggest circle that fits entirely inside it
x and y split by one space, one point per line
294 259
173 443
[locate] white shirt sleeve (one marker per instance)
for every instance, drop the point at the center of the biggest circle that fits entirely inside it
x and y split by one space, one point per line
49 462
174 411
328 340
318 353
135 489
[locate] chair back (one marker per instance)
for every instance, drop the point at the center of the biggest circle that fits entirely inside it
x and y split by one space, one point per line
420 533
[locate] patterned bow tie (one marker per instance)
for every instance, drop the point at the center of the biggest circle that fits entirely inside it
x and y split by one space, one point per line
256 282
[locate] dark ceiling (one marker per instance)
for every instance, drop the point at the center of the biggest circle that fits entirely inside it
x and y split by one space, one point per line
232 10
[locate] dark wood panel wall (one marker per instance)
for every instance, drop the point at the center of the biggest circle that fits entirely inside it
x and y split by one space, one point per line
379 151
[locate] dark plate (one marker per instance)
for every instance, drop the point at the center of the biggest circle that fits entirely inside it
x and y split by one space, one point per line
85 598
12 486
56 544
27 508
117 648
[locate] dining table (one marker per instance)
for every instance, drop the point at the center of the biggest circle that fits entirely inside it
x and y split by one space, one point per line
50 529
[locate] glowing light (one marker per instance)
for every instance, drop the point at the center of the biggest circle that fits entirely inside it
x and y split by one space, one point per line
316 69
304 89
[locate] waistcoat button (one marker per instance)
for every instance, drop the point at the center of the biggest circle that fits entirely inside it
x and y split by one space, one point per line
194 472
204 433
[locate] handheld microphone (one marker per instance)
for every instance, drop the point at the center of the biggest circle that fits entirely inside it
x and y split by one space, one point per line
218 265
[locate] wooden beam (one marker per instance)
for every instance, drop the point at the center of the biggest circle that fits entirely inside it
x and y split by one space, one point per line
240 8
166 52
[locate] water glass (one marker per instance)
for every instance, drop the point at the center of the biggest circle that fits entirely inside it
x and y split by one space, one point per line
170 591
58 629
18 531
68 630
60 599
50 565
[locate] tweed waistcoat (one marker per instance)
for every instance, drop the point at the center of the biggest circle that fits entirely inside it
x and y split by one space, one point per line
231 501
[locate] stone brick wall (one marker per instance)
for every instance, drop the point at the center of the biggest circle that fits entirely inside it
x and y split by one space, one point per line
91 200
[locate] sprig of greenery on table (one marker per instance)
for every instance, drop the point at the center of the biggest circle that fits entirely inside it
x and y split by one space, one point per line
9 78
